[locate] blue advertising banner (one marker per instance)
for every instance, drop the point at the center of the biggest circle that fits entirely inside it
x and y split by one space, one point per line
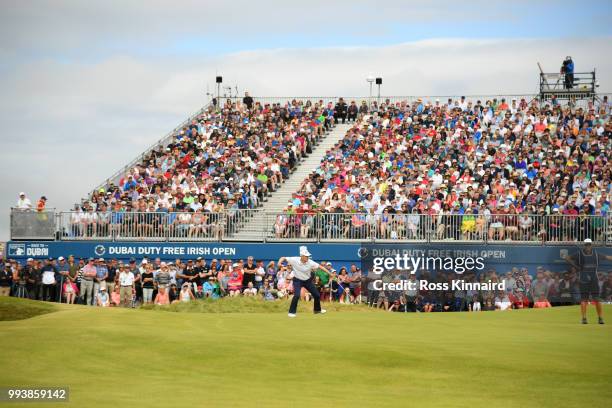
173 250
500 257
463 257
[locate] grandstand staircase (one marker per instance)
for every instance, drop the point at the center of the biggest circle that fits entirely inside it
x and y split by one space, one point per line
257 226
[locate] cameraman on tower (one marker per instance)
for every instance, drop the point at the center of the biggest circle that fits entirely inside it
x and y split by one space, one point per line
567 69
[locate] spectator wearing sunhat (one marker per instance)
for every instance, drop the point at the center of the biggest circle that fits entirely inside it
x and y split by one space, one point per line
102 298
101 275
303 268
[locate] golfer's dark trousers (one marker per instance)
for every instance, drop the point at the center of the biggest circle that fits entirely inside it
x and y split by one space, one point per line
298 284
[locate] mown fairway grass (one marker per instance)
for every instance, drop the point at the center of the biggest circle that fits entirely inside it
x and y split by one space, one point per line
153 358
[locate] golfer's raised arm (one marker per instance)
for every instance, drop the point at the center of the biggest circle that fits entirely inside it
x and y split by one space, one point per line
324 269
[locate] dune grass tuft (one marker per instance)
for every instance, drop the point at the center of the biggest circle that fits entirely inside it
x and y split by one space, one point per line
251 305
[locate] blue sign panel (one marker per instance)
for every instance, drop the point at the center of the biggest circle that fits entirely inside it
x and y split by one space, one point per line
500 257
173 250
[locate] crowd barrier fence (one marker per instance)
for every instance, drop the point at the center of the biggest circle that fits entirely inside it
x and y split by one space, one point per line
261 226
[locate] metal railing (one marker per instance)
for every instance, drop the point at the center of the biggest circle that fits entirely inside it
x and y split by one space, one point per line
261 226
558 82
32 224
370 100
140 226
284 100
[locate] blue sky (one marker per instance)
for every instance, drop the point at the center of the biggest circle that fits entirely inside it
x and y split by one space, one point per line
87 86
93 30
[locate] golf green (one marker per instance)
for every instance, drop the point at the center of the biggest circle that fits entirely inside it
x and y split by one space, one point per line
155 358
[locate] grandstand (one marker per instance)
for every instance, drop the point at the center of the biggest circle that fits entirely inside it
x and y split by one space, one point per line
511 180
491 168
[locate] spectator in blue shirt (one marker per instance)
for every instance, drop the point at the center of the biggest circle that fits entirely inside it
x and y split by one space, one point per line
101 275
130 183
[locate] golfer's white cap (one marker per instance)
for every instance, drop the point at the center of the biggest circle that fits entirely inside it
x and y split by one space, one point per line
144 262
588 241
304 251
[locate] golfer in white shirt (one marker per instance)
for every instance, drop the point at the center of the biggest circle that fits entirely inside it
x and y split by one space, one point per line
303 267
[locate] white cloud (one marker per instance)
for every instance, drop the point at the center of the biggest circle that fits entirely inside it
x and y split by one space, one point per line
69 26
68 125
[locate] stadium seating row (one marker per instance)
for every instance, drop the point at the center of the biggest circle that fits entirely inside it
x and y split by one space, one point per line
507 170
422 170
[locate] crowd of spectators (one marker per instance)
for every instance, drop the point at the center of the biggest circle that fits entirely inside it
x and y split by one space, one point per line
112 282
497 170
426 170
522 291
225 160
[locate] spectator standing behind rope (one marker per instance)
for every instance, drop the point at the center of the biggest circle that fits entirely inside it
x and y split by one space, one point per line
126 283
87 282
101 275
49 283
6 279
